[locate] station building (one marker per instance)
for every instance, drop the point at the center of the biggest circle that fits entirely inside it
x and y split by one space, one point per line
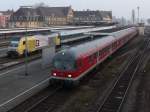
28 16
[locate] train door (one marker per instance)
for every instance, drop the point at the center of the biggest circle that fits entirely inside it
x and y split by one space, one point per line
80 66
37 43
31 45
58 40
21 48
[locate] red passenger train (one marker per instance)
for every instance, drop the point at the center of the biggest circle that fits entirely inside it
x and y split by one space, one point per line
72 64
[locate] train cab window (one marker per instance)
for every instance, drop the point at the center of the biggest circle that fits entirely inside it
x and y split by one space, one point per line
14 44
64 64
14 41
24 42
100 52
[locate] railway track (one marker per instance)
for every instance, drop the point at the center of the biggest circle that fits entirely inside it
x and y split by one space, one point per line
46 101
5 43
116 96
42 104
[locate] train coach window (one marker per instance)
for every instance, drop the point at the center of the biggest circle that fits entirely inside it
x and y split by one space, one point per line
114 45
80 64
107 48
95 55
92 58
37 42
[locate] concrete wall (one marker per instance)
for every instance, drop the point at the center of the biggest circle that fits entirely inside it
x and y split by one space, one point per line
141 30
48 53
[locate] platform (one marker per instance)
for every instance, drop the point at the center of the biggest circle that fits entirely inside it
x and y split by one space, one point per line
3 51
15 87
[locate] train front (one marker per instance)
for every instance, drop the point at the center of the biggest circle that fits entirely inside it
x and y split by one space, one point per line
64 67
13 47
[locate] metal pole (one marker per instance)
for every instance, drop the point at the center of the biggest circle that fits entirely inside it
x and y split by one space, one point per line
26 49
138 8
133 16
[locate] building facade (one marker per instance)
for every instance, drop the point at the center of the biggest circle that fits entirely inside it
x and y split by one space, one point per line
28 16
2 21
41 16
4 18
92 17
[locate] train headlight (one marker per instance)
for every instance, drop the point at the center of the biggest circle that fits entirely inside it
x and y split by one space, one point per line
69 75
54 74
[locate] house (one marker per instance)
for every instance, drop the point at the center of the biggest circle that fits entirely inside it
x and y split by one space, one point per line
5 17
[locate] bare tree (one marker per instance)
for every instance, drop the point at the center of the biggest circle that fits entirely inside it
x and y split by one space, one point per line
41 4
148 21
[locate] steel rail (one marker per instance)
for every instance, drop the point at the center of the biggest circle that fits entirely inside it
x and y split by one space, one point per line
116 96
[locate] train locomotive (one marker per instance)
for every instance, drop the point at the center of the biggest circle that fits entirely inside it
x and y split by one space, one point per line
17 45
72 64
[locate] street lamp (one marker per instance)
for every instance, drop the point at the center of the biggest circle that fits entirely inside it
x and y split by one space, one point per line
138 8
26 47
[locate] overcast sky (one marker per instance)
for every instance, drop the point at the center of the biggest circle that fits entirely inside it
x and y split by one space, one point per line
119 7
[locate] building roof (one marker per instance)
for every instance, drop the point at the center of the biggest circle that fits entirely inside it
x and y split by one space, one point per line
54 11
87 14
8 12
42 11
25 11
106 14
95 14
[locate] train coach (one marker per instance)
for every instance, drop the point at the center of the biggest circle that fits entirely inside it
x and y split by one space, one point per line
66 37
17 45
72 64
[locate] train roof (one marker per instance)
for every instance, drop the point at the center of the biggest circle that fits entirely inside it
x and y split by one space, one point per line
83 49
117 34
67 33
89 47
121 33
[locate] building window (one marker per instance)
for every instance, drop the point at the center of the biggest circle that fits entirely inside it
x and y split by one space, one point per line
20 23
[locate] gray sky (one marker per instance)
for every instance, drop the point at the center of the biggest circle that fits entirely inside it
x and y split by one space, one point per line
119 7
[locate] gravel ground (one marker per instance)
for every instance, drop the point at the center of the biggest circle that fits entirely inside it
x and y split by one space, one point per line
139 94
138 99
